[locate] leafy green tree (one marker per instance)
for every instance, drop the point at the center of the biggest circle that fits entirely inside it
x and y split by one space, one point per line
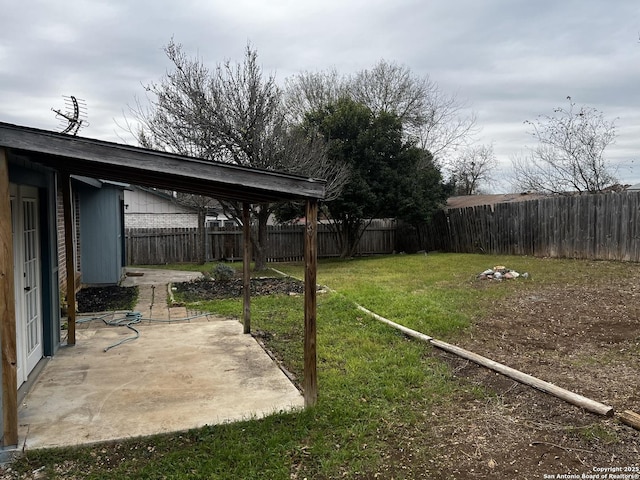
390 177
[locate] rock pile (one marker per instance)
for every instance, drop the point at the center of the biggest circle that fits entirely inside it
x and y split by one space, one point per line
500 273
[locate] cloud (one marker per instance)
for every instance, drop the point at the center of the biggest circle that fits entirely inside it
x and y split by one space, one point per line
511 59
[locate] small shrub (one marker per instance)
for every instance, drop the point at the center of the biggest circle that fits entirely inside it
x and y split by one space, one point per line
223 273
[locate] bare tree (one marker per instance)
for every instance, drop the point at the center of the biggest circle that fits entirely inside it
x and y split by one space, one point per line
473 169
235 114
165 133
448 125
570 152
310 91
392 88
439 122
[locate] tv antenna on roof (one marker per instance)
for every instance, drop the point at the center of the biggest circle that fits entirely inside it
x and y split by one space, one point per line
74 117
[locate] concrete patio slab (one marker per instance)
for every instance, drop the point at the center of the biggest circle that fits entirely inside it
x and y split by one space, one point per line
174 377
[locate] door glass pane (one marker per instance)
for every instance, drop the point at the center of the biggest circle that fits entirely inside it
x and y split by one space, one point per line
31 284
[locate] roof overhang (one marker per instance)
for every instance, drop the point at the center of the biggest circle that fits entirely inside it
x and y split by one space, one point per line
123 163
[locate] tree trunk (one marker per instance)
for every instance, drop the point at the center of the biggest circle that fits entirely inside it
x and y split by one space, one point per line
344 243
342 231
202 236
421 237
349 233
260 243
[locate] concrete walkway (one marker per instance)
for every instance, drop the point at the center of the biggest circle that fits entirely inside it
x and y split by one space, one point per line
176 376
153 291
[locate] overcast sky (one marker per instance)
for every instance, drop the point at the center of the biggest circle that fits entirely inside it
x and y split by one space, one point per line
511 60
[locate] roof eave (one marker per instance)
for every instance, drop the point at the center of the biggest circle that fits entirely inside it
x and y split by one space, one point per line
123 163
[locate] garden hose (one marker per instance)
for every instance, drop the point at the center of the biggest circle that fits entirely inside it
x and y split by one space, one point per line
132 318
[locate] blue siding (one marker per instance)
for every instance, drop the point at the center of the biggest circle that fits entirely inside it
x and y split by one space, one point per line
101 255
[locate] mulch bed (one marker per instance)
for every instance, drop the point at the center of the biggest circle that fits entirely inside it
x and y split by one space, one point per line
104 299
209 289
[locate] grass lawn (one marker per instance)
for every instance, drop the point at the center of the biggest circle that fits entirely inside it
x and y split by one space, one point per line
377 389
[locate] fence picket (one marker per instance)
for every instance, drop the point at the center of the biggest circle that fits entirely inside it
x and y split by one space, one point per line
605 226
285 243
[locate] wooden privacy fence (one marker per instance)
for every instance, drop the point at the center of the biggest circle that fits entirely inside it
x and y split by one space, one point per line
603 226
149 246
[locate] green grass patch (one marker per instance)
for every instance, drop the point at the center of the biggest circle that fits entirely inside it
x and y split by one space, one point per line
437 294
595 433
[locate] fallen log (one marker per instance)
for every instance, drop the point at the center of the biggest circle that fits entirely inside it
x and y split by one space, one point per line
630 418
566 395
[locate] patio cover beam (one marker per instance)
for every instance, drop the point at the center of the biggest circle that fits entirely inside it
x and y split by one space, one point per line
124 163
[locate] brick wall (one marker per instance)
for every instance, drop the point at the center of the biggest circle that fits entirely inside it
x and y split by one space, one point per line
62 257
160 220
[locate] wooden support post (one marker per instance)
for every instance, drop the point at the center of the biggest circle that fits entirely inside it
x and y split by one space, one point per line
246 269
7 312
310 381
67 200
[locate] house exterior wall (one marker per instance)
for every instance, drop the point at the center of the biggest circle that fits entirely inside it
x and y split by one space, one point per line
62 254
101 232
143 201
166 220
62 265
144 209
50 284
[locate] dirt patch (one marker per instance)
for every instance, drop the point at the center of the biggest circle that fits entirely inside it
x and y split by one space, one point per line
104 299
583 338
209 289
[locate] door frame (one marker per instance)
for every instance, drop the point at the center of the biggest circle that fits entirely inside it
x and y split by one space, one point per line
27 361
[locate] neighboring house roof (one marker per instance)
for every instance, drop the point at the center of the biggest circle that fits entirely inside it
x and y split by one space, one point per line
476 200
123 163
634 188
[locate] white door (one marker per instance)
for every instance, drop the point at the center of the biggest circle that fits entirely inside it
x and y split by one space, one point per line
27 274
